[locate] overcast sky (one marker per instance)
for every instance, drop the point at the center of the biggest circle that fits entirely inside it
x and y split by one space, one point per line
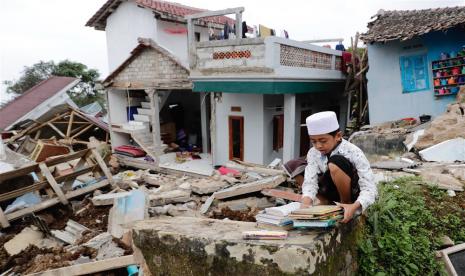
34 30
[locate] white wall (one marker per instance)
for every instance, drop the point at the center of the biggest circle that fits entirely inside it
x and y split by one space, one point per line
252 111
124 26
129 22
177 43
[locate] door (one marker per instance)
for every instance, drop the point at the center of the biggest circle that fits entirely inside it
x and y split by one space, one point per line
304 140
236 137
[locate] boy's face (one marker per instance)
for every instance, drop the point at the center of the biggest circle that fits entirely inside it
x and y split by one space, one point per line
325 143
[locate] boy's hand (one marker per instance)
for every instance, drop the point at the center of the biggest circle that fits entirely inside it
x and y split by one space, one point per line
306 202
349 210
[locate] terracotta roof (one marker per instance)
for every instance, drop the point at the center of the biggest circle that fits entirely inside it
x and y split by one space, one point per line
404 25
144 43
32 98
166 10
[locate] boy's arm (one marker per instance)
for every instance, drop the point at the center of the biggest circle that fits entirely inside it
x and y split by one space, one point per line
310 185
368 189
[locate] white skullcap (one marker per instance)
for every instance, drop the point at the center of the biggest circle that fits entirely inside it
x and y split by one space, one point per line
322 123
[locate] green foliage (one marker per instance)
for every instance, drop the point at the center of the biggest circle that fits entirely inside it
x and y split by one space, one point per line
82 94
400 236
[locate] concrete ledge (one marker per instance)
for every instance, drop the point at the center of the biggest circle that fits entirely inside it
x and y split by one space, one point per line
197 246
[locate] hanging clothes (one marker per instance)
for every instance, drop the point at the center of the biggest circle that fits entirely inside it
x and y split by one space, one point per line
244 29
226 31
264 31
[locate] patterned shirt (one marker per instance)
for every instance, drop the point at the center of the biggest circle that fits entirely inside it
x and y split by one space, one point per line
318 163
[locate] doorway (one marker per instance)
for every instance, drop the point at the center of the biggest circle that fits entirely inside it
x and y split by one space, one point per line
236 138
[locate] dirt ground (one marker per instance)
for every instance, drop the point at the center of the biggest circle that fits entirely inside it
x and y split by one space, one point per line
34 259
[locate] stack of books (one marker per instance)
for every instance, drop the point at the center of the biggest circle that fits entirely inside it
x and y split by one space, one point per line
321 216
277 216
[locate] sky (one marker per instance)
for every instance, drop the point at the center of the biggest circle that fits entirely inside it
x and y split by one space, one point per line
35 30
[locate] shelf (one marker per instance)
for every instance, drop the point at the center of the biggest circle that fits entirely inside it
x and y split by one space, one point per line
438 95
449 76
442 68
441 60
459 83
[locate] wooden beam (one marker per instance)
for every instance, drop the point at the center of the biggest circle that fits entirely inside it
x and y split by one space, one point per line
91 267
3 220
78 129
214 13
252 187
53 201
48 175
82 131
18 172
70 124
56 130
102 165
65 158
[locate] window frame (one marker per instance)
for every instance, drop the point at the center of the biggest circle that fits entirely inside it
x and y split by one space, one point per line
402 69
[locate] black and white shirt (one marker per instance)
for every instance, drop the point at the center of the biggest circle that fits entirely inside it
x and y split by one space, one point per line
318 163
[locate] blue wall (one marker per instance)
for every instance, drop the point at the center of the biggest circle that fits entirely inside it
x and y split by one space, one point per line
386 100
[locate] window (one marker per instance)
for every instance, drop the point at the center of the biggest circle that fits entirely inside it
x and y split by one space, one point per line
236 137
278 132
197 36
414 73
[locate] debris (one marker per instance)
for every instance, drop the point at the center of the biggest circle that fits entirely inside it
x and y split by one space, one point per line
108 199
105 246
23 201
43 151
207 204
29 235
451 193
207 186
176 196
252 168
282 194
72 232
228 171
393 165
275 163
446 151
442 181
412 139
269 182
246 203
126 210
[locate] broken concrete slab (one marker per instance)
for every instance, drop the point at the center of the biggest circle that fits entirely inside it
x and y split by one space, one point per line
176 196
393 165
256 186
442 181
73 231
247 203
28 236
108 199
105 246
196 246
207 186
447 151
282 194
127 210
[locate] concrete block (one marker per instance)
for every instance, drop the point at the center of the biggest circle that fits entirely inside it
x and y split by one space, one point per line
196 246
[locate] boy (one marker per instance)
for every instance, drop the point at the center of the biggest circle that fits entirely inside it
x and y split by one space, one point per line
337 170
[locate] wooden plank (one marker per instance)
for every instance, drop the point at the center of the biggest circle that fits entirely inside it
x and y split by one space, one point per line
3 220
256 186
92 267
215 13
242 168
18 172
56 129
102 165
22 191
82 131
70 124
75 174
48 175
53 201
282 194
65 158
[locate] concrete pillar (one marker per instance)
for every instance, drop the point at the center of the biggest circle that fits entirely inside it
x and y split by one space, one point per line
289 145
155 109
203 121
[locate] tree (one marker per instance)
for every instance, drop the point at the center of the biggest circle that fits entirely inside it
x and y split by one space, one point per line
83 93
